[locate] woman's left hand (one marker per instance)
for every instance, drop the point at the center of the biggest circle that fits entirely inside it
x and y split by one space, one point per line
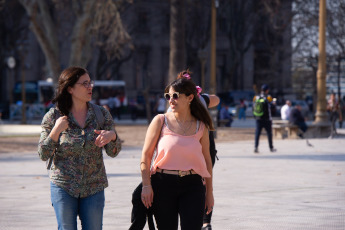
209 202
104 137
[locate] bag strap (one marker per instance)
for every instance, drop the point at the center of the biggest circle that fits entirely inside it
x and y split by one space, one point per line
50 161
160 133
207 99
99 115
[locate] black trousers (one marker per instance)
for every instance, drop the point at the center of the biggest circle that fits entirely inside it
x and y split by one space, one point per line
267 125
175 197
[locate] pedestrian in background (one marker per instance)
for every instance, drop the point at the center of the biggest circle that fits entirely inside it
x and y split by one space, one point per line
262 113
334 112
242 110
224 115
175 187
211 101
72 139
342 111
161 105
297 118
285 110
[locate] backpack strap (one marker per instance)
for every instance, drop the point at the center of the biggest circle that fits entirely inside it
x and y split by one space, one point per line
206 98
99 115
213 150
162 117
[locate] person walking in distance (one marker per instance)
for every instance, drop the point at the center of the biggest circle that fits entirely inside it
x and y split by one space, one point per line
334 111
262 113
211 100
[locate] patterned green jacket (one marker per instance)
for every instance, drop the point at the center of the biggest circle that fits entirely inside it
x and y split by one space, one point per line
78 165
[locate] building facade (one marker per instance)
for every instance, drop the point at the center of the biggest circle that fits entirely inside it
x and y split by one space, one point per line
261 55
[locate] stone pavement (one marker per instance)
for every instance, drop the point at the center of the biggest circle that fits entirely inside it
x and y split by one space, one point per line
297 187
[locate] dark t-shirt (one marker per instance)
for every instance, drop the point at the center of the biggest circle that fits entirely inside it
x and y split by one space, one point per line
296 116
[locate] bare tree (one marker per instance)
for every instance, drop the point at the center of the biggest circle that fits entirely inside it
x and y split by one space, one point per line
305 35
109 60
197 34
336 39
92 21
240 18
177 38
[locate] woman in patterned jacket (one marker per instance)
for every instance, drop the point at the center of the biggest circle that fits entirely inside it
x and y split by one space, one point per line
73 138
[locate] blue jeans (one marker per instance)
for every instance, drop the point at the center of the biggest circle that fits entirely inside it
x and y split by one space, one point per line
242 114
67 208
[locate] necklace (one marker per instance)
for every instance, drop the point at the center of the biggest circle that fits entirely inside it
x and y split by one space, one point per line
180 125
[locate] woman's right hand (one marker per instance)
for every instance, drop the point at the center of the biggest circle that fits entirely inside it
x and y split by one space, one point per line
147 196
61 125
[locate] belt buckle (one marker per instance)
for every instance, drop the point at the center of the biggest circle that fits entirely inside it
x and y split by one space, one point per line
180 173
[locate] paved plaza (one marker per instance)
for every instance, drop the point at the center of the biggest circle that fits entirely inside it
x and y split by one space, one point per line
297 187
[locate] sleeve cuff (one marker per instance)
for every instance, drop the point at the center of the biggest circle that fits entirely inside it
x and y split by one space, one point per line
117 143
51 143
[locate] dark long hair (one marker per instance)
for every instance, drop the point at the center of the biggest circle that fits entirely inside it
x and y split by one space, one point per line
198 110
68 78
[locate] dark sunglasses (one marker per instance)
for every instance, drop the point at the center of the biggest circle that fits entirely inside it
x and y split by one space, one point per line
174 96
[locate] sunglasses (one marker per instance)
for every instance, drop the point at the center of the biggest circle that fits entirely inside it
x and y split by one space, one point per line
174 96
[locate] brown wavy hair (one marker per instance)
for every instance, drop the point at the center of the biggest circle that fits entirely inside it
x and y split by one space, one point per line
68 78
188 87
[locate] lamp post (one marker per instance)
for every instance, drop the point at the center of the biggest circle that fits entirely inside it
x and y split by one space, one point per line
202 54
321 116
11 63
23 84
213 88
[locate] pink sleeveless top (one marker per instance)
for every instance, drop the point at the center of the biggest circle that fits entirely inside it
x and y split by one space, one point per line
178 152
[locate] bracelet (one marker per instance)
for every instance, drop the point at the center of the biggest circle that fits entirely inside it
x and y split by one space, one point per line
146 186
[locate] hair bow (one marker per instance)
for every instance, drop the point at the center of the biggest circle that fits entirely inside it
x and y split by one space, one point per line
186 75
198 89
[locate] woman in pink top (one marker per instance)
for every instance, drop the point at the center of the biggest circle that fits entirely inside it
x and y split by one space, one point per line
173 186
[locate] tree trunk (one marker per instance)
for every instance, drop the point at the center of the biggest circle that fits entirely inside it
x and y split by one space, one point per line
81 37
84 33
45 31
177 38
